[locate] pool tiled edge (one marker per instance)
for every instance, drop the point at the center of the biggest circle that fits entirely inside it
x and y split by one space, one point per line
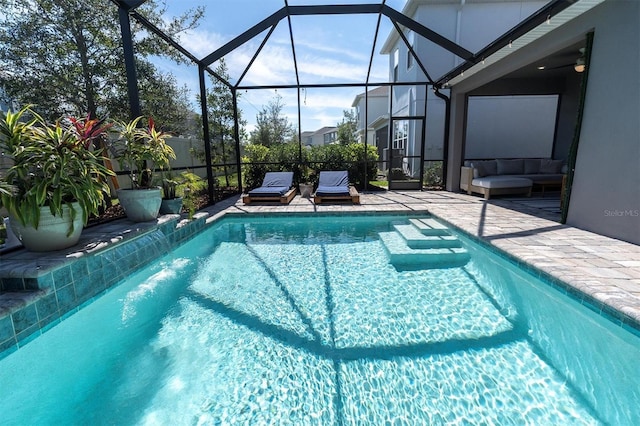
42 292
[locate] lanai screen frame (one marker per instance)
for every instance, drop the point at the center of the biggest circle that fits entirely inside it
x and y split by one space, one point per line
127 9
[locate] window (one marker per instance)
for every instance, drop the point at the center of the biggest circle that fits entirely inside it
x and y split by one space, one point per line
400 134
330 137
396 59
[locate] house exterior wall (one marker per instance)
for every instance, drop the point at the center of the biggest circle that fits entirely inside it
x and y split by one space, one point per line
605 197
378 107
322 136
606 192
471 24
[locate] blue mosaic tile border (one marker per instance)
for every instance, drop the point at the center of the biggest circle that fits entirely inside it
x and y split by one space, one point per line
62 291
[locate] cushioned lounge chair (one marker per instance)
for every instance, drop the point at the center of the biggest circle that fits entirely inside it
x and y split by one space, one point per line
334 186
276 186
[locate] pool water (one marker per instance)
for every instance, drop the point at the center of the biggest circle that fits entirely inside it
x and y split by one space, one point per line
305 321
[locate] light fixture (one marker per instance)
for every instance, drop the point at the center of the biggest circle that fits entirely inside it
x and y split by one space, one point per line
580 64
510 44
541 67
548 19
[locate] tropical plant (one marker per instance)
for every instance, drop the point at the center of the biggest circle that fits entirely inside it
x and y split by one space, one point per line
170 184
53 165
138 149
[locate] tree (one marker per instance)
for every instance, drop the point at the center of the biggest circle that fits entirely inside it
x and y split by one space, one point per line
272 127
221 120
348 128
66 57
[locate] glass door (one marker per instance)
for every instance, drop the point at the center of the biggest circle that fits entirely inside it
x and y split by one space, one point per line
404 153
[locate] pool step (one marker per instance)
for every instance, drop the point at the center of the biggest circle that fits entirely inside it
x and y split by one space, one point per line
417 240
402 256
429 226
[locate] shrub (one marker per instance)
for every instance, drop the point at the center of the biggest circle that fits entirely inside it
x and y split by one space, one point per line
286 157
254 173
433 175
397 174
357 169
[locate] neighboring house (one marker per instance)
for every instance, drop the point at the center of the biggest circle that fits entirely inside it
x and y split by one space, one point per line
534 75
324 136
377 118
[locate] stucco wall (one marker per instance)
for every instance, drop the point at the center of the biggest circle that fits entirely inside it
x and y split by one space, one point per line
606 192
472 26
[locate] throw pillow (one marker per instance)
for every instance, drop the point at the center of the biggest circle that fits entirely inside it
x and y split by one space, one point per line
550 167
531 166
484 168
510 167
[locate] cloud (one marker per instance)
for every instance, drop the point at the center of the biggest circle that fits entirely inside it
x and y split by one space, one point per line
201 42
275 66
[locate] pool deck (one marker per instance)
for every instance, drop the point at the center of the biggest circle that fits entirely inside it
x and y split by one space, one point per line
604 271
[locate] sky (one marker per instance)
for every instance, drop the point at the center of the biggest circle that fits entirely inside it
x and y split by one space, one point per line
329 49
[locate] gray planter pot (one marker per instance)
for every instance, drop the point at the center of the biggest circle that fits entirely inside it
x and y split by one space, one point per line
51 233
172 206
140 205
306 190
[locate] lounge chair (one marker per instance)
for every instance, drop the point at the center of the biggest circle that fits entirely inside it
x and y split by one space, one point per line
276 186
335 186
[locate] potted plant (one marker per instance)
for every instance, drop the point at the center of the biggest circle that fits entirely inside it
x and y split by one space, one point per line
306 184
171 203
137 151
57 180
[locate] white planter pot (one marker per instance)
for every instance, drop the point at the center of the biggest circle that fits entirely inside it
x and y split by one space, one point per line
140 205
52 231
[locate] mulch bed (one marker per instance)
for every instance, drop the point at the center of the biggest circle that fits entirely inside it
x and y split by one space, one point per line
117 212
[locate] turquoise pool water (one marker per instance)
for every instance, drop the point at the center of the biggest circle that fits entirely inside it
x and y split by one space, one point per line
306 321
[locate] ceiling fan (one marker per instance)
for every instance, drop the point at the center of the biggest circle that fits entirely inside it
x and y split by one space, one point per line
578 65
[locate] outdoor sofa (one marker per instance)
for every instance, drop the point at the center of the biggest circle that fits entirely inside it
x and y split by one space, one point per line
512 176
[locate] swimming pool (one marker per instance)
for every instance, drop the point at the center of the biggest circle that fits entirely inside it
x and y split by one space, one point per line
324 320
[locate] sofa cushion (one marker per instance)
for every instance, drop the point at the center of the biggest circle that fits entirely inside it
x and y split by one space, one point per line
531 166
484 168
492 182
510 167
550 166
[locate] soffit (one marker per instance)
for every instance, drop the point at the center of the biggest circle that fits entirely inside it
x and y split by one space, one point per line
571 12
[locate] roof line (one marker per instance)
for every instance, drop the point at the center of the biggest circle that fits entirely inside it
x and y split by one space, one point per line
542 15
427 33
